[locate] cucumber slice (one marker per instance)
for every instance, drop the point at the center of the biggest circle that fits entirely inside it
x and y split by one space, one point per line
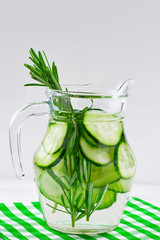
109 198
55 137
102 127
50 188
98 156
101 176
125 162
89 139
53 191
44 160
121 186
37 170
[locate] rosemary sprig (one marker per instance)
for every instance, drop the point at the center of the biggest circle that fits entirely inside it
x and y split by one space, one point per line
77 170
42 72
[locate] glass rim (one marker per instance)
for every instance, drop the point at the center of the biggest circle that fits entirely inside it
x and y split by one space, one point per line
120 92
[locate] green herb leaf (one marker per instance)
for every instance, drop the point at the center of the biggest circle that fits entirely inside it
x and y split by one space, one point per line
33 84
103 191
81 215
47 61
73 178
33 53
89 191
64 204
57 209
57 179
85 172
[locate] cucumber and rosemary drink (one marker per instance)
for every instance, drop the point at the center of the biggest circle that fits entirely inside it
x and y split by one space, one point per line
83 167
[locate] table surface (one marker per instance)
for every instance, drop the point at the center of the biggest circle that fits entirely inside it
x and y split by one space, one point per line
14 190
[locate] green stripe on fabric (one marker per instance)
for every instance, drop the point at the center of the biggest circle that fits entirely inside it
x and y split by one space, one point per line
108 236
146 212
12 230
129 230
143 221
23 223
125 233
37 205
3 237
41 222
146 203
139 229
84 236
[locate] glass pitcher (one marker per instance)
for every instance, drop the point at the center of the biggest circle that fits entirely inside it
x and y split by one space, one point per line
84 166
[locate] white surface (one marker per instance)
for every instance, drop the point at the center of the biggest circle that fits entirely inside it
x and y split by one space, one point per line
25 190
89 40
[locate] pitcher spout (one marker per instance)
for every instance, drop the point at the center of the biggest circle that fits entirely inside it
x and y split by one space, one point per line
124 88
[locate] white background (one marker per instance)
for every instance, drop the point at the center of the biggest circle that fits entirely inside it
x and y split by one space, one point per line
89 40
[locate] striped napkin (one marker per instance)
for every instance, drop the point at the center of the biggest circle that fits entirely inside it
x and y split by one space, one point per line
141 220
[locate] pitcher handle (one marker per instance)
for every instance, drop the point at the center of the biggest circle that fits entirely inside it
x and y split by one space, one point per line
18 119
